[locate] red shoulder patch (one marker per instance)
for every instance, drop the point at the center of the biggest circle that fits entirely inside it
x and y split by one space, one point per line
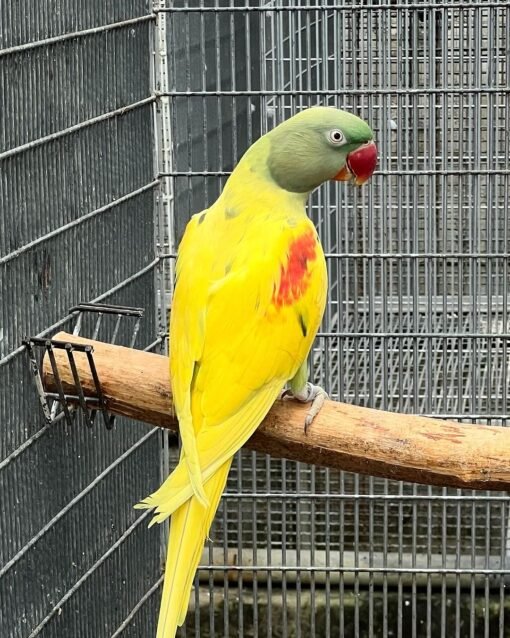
294 276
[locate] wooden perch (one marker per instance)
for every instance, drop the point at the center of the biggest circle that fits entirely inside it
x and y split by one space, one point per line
347 437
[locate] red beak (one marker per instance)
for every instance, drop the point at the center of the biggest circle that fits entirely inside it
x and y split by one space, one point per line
360 165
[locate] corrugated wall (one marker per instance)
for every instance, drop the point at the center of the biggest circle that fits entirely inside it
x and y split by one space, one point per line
76 224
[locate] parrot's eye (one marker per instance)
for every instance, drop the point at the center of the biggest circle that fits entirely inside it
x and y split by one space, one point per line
336 137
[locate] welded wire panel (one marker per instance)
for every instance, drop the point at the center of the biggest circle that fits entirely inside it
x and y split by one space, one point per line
76 224
417 319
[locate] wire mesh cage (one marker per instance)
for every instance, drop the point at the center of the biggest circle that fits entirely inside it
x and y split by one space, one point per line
118 122
417 313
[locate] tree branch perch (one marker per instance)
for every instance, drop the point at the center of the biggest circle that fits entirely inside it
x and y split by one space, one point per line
391 445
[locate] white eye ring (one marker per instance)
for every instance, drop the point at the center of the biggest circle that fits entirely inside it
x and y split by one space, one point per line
336 137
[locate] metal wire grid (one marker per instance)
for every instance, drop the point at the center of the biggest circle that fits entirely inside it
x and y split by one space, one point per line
418 312
77 182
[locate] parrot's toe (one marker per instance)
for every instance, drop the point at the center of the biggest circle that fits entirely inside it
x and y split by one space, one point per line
310 393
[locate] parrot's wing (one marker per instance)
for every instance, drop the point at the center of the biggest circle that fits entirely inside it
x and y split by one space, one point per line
242 318
176 490
237 334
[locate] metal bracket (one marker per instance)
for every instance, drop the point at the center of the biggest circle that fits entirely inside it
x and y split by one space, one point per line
57 405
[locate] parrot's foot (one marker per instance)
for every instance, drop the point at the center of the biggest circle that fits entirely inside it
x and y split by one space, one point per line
310 393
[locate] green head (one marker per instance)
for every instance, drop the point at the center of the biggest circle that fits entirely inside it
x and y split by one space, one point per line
319 144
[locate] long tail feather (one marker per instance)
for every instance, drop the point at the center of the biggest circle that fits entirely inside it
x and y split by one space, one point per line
188 530
191 459
216 445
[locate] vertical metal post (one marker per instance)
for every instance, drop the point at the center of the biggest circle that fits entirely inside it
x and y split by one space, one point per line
165 240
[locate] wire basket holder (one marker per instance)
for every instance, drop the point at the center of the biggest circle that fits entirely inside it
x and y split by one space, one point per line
58 405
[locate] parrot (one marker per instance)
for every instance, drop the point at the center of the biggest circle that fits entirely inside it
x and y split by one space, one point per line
250 291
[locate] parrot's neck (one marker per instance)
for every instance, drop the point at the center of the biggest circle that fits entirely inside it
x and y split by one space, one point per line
251 184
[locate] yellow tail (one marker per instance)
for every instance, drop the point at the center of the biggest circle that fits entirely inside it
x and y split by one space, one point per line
189 527
216 446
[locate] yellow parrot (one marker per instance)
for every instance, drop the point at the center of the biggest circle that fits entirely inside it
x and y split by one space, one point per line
249 296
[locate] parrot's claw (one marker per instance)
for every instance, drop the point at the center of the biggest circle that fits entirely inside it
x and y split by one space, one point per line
313 394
